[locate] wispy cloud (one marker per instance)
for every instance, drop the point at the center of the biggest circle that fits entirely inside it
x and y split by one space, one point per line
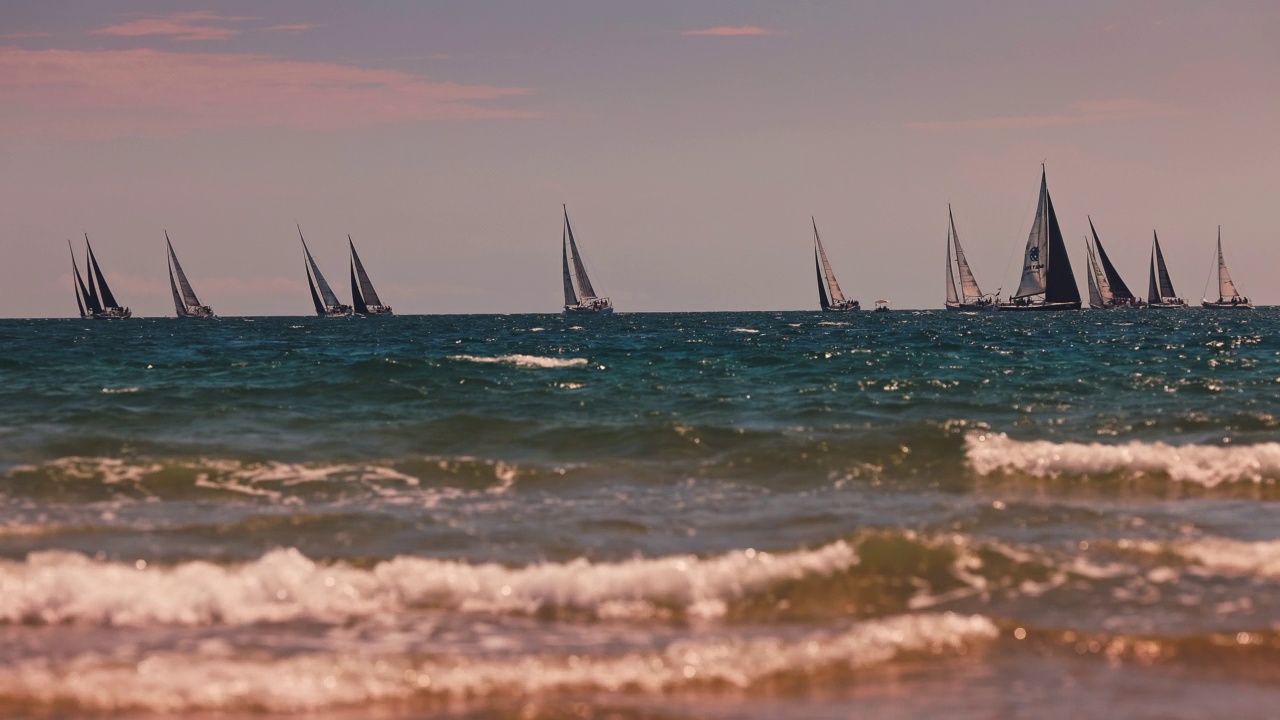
149 92
1081 113
24 35
294 28
732 31
178 26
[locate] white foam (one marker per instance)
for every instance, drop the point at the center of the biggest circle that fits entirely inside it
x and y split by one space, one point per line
213 678
1207 465
524 361
1237 557
56 587
750 331
117 391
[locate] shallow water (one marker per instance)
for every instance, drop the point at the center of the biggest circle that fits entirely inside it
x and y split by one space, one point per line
643 516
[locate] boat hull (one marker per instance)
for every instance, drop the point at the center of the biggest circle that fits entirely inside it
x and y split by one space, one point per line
1167 306
334 311
1226 305
851 307
972 307
203 311
113 314
1118 306
582 310
1040 307
375 310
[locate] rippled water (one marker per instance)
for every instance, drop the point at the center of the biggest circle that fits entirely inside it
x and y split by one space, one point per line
643 516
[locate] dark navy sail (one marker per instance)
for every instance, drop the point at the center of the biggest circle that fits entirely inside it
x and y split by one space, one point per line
363 296
322 295
101 299
831 296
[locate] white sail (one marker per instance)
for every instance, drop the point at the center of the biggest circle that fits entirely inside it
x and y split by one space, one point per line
1226 288
1036 259
951 280
1100 294
832 285
969 289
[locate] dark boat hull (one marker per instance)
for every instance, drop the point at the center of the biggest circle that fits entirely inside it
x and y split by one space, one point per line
1040 307
972 307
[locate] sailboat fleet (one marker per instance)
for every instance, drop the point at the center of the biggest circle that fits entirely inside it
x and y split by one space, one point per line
1047 283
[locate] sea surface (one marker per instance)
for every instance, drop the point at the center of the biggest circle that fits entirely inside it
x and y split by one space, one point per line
658 516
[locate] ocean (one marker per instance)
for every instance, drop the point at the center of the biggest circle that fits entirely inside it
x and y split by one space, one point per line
657 516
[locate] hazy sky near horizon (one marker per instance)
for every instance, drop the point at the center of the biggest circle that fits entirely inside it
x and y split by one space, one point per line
691 141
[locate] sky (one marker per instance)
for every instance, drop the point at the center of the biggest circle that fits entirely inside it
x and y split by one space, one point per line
691 142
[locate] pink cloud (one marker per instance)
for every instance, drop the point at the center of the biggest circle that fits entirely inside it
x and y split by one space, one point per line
295 28
25 35
147 92
732 31
179 26
1087 112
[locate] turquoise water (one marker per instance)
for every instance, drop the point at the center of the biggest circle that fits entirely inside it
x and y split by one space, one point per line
904 514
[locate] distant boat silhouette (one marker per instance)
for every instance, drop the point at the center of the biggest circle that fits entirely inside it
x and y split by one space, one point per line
1229 298
363 296
830 298
95 300
326 302
1160 293
1107 291
970 298
1047 280
185 301
582 298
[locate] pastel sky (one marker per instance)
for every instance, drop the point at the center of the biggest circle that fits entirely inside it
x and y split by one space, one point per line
690 140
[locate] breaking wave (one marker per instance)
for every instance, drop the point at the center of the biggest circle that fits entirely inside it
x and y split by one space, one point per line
524 361
1206 465
283 585
214 678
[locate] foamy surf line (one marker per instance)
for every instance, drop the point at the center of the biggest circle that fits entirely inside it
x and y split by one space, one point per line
524 361
216 679
1207 465
283 585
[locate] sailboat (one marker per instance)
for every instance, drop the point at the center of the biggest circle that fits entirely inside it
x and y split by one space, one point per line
363 296
829 295
582 298
1107 291
95 299
1229 298
970 298
185 302
326 302
1160 294
1047 280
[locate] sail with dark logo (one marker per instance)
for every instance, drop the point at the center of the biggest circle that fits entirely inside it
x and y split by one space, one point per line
1047 281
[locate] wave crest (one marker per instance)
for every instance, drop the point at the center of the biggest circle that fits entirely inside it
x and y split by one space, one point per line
524 361
1206 465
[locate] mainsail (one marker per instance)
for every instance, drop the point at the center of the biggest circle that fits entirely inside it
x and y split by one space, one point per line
1100 295
317 281
104 292
570 297
1046 269
836 295
362 293
183 296
82 293
952 297
585 291
1160 286
1119 290
969 290
1226 288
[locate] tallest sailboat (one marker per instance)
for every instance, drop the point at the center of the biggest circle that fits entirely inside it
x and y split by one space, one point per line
1047 280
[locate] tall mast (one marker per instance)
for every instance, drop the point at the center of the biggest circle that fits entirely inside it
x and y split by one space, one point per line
570 297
